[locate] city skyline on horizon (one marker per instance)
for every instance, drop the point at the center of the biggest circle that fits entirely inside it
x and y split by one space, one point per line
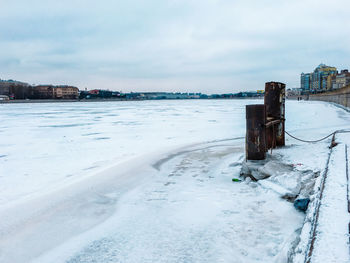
173 46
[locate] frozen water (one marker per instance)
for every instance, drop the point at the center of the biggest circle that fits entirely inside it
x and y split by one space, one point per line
44 145
190 211
145 182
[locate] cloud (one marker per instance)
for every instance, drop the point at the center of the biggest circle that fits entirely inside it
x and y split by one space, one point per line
211 46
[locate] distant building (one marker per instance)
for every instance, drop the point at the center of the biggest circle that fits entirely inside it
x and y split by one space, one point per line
305 81
55 92
66 92
43 92
319 77
94 92
318 80
330 80
341 80
15 89
21 90
324 78
242 94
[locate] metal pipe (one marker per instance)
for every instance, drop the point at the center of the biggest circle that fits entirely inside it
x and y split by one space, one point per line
255 136
274 100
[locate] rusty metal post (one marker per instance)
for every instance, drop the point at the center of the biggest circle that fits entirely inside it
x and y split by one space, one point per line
255 136
274 100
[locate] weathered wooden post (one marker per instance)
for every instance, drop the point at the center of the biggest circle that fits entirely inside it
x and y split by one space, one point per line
255 135
274 101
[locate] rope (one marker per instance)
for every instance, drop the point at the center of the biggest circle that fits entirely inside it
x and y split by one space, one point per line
338 131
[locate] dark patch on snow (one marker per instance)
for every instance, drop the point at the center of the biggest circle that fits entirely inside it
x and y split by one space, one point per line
89 168
289 197
66 125
102 138
92 133
302 204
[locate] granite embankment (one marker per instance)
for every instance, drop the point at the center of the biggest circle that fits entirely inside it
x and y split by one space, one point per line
340 96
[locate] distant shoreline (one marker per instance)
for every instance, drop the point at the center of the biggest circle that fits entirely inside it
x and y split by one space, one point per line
110 100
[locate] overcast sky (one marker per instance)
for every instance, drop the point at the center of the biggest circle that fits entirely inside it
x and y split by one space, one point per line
210 46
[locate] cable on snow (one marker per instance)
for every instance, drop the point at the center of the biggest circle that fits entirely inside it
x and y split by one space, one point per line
333 133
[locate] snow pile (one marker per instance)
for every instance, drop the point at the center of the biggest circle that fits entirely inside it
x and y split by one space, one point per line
299 182
294 184
287 180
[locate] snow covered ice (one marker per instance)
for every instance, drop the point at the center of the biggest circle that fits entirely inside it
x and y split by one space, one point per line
44 145
146 181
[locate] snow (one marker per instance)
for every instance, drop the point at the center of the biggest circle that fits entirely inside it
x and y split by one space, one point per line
332 236
334 217
190 212
151 181
44 145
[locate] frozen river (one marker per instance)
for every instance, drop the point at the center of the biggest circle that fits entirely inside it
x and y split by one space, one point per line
46 144
142 181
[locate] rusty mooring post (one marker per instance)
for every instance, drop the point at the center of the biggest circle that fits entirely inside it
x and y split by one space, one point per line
274 101
255 136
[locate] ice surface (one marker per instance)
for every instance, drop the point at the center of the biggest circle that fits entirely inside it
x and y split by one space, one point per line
191 212
48 144
146 181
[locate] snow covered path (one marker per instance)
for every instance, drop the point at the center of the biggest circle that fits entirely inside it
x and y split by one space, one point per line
332 236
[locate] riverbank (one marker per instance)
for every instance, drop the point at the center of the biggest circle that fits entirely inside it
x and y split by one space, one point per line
339 96
111 100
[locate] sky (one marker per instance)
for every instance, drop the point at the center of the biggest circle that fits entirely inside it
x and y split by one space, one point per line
209 46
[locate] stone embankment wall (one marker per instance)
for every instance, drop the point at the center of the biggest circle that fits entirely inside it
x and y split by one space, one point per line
340 96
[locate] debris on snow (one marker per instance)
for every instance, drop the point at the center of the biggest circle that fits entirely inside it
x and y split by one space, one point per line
285 179
302 204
